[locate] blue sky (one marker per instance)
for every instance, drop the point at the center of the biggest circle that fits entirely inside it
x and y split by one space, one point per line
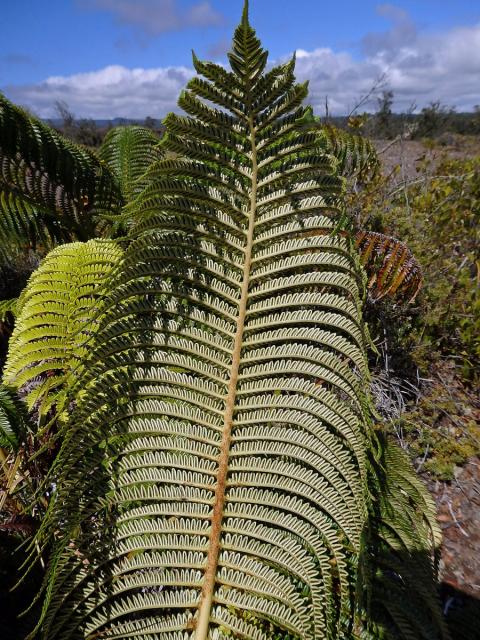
130 58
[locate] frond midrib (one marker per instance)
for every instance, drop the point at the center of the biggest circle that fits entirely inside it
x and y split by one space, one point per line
223 462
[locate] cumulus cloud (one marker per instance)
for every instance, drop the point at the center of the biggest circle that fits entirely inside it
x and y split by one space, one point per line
418 67
154 17
114 91
403 32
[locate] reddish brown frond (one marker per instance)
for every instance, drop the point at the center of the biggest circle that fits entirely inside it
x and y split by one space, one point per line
391 268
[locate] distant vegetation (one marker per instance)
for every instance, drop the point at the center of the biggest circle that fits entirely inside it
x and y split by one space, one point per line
91 132
433 121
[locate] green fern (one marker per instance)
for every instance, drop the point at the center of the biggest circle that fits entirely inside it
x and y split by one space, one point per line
355 154
214 419
405 538
215 475
50 188
12 419
8 307
57 316
129 152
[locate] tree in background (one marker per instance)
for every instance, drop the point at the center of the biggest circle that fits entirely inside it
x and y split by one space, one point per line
383 116
84 131
434 120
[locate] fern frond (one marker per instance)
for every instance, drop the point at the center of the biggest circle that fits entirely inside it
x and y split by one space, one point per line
213 478
356 154
48 182
57 316
129 152
13 423
391 268
405 541
8 307
223 386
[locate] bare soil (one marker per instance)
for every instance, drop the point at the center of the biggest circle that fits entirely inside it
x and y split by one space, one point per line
458 504
408 154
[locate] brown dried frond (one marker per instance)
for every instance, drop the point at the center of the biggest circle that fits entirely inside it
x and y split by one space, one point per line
392 269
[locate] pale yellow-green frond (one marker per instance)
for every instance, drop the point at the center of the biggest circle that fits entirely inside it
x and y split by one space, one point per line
57 316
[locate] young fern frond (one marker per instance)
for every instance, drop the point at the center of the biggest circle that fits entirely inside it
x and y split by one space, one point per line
57 316
48 185
219 438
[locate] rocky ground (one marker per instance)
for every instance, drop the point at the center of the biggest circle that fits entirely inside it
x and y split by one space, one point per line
458 504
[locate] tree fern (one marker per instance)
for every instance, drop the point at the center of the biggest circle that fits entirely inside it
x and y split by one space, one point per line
6 307
222 425
129 152
355 154
214 478
405 538
12 419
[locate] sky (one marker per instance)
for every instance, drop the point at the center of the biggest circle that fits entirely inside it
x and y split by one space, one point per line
131 58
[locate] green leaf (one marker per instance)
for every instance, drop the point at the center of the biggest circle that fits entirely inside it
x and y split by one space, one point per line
51 190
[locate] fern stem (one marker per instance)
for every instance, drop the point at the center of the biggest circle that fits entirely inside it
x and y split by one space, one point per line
206 598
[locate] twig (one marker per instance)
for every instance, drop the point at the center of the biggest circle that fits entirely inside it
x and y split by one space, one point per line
378 83
422 461
456 521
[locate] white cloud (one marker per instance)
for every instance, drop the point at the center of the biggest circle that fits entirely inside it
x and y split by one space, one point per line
419 68
402 32
114 91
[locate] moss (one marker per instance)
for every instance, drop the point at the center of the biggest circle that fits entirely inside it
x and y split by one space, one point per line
442 430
